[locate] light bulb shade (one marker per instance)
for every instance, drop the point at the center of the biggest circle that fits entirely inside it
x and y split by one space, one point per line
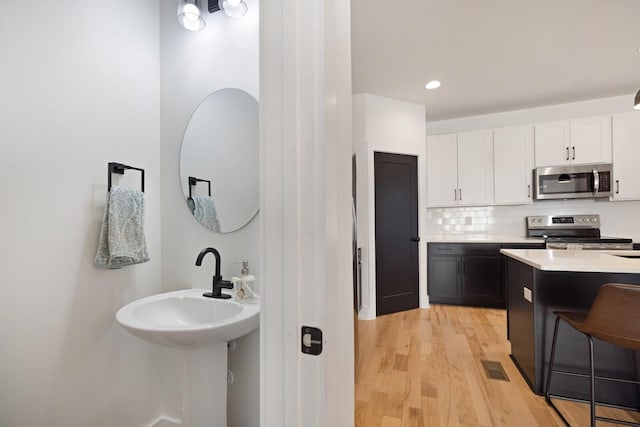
636 102
190 15
234 8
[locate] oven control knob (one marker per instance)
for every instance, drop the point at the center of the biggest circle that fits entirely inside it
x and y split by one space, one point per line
593 220
578 219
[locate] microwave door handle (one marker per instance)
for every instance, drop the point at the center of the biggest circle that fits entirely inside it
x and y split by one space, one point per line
596 182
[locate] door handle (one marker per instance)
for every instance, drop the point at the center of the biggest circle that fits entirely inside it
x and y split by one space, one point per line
415 239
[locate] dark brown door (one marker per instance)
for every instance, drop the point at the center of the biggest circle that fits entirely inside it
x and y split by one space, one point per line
396 193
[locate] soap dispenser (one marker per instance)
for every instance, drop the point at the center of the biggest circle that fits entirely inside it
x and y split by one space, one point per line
245 267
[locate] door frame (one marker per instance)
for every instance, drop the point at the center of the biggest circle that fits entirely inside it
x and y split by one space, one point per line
367 222
305 212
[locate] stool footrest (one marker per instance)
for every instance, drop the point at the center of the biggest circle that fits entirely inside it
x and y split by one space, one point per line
598 377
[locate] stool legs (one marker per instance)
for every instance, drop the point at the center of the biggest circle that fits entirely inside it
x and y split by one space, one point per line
547 398
553 355
592 381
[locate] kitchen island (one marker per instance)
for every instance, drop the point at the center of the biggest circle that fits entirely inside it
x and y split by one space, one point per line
540 282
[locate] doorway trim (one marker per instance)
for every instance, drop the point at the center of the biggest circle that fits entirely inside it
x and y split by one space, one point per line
305 212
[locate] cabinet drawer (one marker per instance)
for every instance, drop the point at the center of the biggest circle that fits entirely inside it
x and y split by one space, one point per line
463 249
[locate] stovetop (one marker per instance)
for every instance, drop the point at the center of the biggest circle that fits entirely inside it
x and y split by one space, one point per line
572 239
573 231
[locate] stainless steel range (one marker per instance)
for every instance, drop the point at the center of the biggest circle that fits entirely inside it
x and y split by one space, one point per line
574 232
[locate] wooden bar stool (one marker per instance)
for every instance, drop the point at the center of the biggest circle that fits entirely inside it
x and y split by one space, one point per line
614 317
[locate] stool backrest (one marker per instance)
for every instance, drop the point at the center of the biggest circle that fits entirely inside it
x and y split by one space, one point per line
615 315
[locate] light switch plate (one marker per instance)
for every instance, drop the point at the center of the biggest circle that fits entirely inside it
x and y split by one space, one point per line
527 294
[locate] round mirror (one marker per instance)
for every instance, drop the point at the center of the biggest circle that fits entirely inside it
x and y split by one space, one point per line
219 161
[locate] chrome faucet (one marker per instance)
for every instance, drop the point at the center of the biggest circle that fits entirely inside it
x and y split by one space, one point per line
218 283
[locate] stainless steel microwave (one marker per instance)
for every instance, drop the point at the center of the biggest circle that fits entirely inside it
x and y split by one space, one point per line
573 181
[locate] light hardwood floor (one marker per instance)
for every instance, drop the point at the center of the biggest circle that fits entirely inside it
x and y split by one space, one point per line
423 368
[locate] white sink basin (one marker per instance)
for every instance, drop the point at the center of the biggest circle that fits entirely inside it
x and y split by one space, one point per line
187 319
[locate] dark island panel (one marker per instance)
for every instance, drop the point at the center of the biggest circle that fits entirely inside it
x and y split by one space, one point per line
565 291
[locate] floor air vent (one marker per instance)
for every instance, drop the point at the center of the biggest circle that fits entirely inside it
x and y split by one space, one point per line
494 370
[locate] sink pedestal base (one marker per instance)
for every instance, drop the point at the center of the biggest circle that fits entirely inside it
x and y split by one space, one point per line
202 375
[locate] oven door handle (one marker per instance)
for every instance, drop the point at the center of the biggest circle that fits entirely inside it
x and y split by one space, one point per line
596 182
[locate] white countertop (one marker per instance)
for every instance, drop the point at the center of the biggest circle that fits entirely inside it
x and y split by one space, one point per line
479 238
583 261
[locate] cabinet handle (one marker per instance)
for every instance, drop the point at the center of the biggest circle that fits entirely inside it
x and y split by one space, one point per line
617 186
529 191
463 268
567 153
574 153
460 190
455 194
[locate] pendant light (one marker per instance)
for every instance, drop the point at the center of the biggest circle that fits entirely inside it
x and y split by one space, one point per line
636 103
190 15
234 8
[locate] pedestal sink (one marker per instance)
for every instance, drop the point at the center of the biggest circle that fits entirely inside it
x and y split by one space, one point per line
186 319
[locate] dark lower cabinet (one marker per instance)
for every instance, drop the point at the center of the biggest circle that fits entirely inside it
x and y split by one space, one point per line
465 274
481 279
469 273
444 278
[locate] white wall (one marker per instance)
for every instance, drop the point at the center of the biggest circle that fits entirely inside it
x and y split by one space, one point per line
619 219
224 54
385 125
80 87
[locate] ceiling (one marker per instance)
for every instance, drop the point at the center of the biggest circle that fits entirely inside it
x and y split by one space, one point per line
495 55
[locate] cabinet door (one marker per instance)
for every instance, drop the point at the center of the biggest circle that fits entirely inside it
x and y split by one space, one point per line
482 279
444 278
442 170
513 165
552 146
590 140
626 153
475 168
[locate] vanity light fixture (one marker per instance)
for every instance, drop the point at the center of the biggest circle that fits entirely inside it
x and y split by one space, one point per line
231 8
190 15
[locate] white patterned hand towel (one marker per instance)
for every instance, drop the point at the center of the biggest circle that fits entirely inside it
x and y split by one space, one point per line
205 212
121 240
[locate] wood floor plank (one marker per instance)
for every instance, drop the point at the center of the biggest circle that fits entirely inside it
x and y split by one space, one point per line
423 368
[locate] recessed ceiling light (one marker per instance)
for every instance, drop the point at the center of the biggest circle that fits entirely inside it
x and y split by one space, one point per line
433 84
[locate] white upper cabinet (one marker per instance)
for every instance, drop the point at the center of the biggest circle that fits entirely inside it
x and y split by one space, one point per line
591 140
552 145
475 168
626 153
575 141
460 169
513 165
442 170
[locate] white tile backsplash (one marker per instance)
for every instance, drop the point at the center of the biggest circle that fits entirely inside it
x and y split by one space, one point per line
618 219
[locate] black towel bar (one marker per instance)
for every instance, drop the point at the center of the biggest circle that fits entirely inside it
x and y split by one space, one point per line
119 168
193 181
